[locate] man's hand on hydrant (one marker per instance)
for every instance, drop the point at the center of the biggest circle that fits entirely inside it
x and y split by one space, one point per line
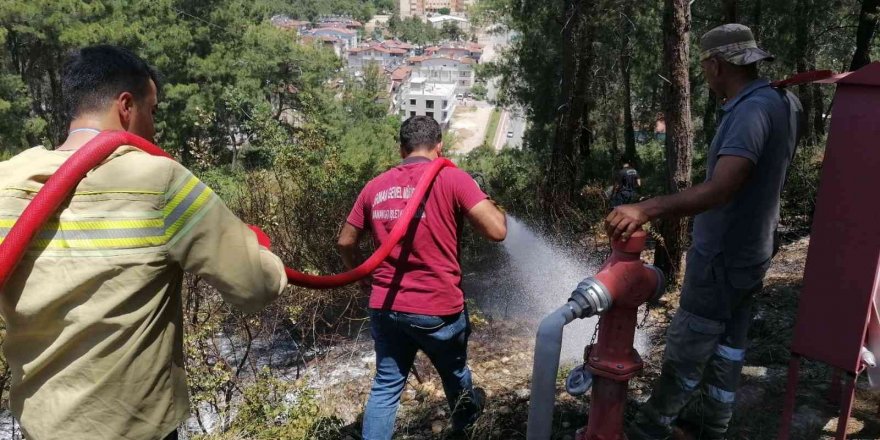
624 220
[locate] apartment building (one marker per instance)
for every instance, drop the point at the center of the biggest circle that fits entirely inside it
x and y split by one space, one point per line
340 39
421 98
418 8
437 21
445 70
388 54
457 50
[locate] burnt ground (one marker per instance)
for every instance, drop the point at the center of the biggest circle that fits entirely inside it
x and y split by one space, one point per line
501 359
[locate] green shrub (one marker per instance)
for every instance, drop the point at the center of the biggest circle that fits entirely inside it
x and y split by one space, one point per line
801 189
274 409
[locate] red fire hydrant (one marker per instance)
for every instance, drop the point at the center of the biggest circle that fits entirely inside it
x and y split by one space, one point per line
612 360
616 292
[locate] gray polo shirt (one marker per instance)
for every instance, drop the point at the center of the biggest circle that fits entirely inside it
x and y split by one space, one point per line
761 124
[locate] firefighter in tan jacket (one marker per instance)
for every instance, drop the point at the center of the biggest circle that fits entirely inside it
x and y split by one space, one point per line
93 312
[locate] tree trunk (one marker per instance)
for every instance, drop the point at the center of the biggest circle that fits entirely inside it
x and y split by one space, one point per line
803 14
629 135
571 138
819 102
756 20
679 133
729 11
868 17
583 97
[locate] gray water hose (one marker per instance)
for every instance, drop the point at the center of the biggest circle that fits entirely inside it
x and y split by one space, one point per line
589 299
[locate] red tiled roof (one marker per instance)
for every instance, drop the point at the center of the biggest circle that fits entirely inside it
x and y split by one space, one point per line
470 47
342 22
379 48
463 60
401 73
398 44
335 29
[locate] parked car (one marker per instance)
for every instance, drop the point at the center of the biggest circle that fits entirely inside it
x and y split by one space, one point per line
510 134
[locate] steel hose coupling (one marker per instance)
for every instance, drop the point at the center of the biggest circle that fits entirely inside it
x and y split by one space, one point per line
592 298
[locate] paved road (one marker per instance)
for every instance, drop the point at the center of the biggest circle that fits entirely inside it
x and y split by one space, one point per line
510 120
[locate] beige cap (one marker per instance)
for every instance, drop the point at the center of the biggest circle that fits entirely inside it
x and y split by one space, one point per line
734 43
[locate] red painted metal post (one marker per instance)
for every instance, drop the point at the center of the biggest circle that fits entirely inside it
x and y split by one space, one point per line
834 391
613 356
794 368
846 409
609 416
613 361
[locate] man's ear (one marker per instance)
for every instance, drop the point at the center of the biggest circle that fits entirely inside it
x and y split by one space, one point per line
439 148
720 67
125 104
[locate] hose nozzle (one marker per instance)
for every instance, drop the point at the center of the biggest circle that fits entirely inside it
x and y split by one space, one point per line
592 297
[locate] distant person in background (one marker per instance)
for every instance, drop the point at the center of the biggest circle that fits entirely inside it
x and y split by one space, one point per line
626 185
416 301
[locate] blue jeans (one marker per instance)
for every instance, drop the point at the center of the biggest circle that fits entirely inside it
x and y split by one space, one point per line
398 336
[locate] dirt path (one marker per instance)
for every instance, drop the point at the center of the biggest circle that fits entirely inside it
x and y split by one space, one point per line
468 126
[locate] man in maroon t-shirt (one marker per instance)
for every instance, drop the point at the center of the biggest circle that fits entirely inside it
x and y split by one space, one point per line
416 301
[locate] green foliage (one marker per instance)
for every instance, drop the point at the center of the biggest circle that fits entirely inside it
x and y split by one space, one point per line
509 177
362 10
479 91
801 188
274 409
16 123
492 129
443 11
803 34
413 30
450 31
394 24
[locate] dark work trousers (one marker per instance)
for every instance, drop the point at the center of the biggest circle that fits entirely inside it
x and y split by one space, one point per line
705 352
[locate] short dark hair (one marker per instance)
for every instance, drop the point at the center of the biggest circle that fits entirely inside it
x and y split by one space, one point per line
419 133
93 75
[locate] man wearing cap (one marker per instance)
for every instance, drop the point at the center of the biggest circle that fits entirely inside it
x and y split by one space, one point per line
737 211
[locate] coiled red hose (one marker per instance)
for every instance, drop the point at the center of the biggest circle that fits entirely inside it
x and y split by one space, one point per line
59 186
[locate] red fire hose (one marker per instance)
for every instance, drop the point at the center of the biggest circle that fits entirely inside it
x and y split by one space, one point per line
61 184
